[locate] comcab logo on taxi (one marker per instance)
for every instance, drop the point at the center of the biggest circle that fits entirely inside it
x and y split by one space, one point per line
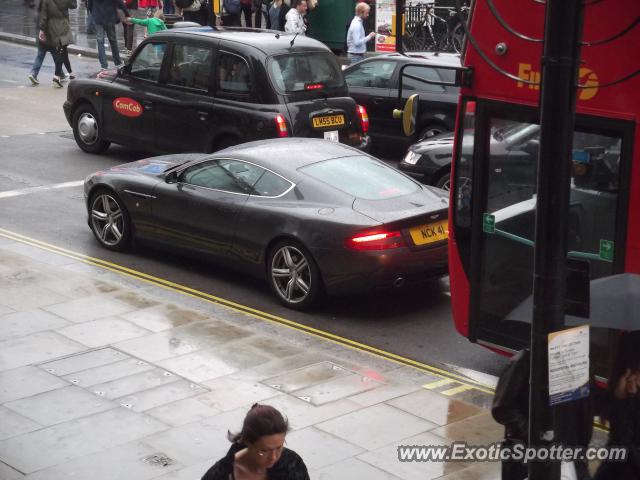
587 79
127 107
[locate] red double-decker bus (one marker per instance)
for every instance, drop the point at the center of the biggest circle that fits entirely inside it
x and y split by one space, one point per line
494 172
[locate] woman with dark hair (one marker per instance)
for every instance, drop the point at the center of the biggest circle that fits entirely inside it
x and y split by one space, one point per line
623 410
258 452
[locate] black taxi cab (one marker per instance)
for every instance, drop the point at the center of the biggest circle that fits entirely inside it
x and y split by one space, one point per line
204 89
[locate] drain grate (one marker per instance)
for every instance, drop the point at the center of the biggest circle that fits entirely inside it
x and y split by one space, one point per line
159 459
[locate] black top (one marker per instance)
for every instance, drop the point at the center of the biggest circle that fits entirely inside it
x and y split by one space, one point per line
289 467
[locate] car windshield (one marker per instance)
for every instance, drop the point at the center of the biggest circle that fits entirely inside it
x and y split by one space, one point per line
300 72
362 177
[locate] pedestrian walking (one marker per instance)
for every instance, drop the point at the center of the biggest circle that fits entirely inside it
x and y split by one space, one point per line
356 39
259 8
150 6
245 11
54 34
622 410
295 18
511 409
105 16
89 26
128 27
193 12
232 10
153 24
258 451
276 15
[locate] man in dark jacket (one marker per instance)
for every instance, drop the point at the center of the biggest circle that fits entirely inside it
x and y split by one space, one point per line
105 17
574 420
54 33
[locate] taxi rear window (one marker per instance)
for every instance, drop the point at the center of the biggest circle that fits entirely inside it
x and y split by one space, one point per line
362 177
299 72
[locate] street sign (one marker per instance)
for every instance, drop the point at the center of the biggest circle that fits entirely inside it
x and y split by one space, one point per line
568 365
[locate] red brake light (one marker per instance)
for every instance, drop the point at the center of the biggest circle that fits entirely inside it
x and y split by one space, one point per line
314 86
281 126
376 241
471 107
364 118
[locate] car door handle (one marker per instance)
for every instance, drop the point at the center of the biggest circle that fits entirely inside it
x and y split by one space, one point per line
203 115
378 100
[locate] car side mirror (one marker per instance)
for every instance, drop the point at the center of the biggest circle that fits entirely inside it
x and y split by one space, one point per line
408 114
171 177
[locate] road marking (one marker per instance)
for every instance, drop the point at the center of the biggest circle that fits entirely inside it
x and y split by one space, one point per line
42 188
438 384
392 357
456 390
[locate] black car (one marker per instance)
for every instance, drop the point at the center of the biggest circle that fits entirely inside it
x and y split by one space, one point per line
203 89
310 216
373 83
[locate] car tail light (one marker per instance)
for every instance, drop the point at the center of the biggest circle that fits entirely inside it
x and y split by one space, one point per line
364 118
376 241
281 126
314 86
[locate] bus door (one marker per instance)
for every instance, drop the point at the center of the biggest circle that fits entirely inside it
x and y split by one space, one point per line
497 155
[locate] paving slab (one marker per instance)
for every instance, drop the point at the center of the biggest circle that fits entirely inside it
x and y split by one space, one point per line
83 361
306 376
182 412
109 372
89 308
8 473
60 443
134 383
436 408
35 348
102 332
155 397
319 448
337 389
164 317
29 297
20 324
26 381
60 405
13 424
376 426
131 461
228 393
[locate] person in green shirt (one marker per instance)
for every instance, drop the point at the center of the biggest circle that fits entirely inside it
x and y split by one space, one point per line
153 24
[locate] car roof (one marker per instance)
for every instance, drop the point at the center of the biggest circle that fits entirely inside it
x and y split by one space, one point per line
428 58
268 41
287 155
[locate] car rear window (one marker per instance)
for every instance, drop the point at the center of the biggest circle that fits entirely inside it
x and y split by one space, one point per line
300 72
362 177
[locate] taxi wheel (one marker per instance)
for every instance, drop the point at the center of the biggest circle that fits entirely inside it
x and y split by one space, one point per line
109 220
293 275
87 130
430 131
444 182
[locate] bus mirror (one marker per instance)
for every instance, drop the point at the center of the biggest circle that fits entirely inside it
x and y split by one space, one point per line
408 114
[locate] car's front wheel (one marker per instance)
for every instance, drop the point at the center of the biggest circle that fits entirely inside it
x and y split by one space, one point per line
109 220
431 131
87 130
293 275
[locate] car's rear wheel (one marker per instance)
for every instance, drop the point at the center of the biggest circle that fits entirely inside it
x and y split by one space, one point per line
444 182
293 275
87 130
109 220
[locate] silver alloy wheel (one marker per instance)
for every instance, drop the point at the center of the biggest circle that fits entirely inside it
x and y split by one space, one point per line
107 219
88 128
291 274
431 132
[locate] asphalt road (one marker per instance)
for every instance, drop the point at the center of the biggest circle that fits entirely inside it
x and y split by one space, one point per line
37 149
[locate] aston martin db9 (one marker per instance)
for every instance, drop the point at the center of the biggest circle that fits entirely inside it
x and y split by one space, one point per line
311 216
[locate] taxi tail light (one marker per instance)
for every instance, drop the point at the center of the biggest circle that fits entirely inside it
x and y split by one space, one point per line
281 126
376 241
314 86
364 118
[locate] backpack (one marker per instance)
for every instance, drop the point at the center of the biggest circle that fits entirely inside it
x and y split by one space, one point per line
232 6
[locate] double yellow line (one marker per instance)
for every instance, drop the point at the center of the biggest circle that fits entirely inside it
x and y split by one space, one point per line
465 382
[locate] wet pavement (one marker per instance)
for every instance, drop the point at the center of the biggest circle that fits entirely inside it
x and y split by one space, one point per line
110 377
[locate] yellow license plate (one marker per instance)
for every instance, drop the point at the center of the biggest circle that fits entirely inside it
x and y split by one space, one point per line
328 121
431 233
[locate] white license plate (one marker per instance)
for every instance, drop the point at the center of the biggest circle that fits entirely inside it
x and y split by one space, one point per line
332 136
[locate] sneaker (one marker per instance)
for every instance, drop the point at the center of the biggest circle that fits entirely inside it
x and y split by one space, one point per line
72 76
34 79
57 82
64 78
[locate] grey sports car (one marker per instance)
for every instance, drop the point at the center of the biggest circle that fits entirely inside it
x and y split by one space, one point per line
311 216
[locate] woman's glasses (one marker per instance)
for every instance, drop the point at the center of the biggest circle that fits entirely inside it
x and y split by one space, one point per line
269 452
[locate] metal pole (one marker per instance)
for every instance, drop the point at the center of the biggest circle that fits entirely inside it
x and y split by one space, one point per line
560 61
399 25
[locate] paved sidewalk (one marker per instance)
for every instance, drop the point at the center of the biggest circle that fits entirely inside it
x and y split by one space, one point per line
104 376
